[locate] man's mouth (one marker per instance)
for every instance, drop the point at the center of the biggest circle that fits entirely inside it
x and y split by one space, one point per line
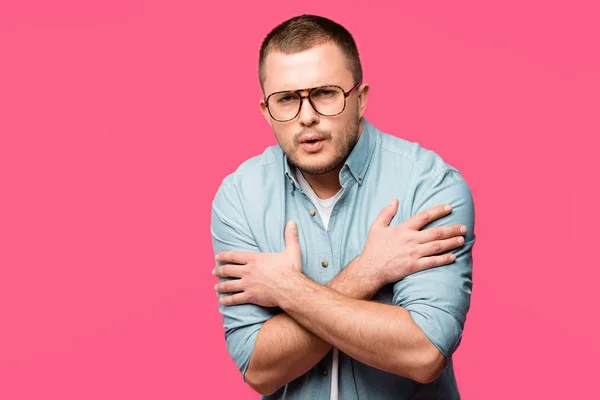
312 144
311 138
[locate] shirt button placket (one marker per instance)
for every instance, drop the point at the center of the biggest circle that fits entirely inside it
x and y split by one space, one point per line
325 250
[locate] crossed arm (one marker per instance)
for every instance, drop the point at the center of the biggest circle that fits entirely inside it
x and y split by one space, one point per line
411 338
285 349
317 317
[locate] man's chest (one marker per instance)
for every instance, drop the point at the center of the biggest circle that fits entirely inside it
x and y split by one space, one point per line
325 250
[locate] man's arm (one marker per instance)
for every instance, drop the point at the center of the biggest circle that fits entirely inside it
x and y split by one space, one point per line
438 299
270 349
285 350
412 341
380 335
230 231
413 337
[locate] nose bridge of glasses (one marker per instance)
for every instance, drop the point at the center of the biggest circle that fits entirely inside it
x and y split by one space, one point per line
303 93
312 108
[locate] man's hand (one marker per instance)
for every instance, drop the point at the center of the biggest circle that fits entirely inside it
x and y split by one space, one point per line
262 277
391 253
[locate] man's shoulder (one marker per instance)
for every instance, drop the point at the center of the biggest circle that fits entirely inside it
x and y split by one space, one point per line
412 155
252 198
269 160
422 173
257 168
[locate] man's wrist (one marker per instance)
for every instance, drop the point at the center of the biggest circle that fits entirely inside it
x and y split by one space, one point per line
288 293
357 280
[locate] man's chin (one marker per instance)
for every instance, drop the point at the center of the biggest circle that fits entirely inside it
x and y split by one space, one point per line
316 168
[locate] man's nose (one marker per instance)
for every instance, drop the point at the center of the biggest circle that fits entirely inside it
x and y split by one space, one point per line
308 115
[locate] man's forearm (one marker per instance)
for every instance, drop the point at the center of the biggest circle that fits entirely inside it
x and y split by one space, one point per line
285 350
380 335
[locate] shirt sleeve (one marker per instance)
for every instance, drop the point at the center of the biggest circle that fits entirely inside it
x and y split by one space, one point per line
230 231
438 298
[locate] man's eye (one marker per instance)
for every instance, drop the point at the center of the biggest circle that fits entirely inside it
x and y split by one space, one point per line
324 93
286 98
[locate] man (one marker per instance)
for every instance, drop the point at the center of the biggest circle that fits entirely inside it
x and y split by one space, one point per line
344 253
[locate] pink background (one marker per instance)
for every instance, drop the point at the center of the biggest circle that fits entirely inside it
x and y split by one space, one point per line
117 125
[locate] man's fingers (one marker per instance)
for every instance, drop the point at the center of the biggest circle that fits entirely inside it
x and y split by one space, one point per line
423 218
435 261
228 271
386 215
235 257
234 299
231 286
439 233
291 235
440 246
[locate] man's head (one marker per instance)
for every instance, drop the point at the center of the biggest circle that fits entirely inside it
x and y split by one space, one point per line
308 52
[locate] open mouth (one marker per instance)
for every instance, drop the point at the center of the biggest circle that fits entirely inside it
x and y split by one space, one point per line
312 145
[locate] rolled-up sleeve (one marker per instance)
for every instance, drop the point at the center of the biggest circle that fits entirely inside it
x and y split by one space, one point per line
438 299
230 231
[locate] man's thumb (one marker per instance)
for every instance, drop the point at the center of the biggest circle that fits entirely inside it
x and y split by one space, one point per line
386 215
291 234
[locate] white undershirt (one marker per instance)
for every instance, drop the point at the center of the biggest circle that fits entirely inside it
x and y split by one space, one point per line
324 207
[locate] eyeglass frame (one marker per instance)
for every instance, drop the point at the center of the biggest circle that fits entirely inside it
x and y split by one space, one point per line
346 95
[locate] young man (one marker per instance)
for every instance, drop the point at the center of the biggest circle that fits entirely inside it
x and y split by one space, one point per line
344 253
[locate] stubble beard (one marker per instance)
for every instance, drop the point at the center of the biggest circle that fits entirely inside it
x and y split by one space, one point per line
343 145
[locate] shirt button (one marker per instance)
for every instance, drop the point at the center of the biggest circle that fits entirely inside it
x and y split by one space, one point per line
324 372
324 263
360 178
292 181
312 213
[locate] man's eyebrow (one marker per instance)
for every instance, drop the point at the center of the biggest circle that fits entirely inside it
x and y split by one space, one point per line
312 87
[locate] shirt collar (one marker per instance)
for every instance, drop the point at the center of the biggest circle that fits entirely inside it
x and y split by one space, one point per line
358 160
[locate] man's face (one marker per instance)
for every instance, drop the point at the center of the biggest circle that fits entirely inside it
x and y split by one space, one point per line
314 143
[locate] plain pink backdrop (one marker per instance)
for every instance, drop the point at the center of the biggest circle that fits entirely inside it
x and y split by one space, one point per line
118 120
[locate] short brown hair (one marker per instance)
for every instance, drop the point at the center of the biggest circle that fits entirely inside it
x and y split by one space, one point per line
304 32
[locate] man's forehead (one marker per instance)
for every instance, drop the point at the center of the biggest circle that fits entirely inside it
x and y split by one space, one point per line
320 65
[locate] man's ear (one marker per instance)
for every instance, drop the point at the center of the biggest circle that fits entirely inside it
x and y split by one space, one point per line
363 96
265 112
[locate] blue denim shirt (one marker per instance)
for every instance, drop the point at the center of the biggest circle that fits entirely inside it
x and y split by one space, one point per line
254 203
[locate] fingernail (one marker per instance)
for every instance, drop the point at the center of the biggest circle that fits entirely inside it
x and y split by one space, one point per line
217 257
216 287
214 271
461 240
292 224
463 229
447 208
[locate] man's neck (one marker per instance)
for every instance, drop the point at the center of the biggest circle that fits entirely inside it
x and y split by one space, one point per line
325 185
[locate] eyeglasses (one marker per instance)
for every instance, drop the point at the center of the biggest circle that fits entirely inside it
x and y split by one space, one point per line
327 100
